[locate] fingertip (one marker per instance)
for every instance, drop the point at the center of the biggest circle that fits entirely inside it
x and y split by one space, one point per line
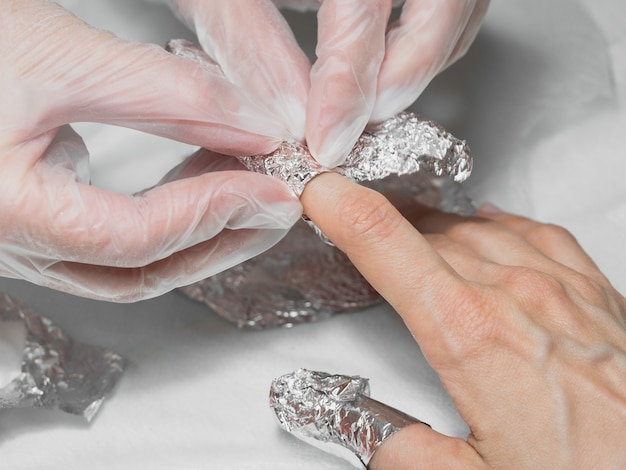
293 114
344 210
331 145
394 99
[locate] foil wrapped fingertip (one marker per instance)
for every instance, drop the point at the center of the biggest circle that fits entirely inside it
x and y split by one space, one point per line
335 413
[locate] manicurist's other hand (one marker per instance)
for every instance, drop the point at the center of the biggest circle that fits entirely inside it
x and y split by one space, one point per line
526 334
59 231
364 70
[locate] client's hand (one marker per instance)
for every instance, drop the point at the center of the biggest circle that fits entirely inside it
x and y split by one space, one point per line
526 334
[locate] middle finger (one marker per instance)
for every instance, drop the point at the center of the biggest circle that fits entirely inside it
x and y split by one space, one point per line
488 239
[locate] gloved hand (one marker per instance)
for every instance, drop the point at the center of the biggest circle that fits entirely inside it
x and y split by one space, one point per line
364 72
58 231
255 49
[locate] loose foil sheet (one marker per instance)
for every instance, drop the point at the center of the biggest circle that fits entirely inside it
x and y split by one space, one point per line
335 413
57 372
302 279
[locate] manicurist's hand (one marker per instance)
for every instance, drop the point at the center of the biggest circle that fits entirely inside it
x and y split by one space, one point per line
59 231
526 334
364 71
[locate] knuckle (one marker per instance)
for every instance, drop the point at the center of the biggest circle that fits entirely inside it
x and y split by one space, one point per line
439 242
470 320
534 288
464 229
367 216
374 7
550 233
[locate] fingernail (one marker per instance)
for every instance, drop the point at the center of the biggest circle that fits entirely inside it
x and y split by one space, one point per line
489 209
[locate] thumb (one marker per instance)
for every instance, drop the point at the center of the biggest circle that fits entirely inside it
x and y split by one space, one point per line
63 70
418 447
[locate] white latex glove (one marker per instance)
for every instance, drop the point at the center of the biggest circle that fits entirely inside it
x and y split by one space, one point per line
364 71
255 48
58 231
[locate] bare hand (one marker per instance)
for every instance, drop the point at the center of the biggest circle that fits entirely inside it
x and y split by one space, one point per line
526 334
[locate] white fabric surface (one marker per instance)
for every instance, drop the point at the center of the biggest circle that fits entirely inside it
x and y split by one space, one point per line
541 98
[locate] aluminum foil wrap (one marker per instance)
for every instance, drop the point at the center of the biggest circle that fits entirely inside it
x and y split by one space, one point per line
302 279
335 413
57 372
401 145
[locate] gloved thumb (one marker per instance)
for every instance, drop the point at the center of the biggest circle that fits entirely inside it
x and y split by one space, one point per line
418 447
256 49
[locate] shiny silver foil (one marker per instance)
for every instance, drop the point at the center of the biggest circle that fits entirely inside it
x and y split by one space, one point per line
57 372
301 279
335 413
402 145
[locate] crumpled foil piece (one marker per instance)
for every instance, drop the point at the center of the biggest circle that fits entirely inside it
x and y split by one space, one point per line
300 279
335 413
403 144
57 372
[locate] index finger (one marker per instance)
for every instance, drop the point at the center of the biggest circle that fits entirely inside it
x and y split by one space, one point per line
350 49
394 257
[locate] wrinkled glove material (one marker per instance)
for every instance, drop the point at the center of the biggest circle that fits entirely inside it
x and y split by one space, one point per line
303 279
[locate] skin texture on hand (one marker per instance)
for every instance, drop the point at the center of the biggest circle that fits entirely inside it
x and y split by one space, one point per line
59 231
527 335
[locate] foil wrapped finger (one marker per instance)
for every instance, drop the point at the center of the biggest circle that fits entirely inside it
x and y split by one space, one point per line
335 413
402 145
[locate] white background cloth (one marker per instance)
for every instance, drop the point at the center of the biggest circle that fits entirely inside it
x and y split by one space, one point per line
541 99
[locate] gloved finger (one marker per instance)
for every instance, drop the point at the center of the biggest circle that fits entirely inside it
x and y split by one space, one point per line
66 71
470 32
253 44
118 284
419 45
200 162
350 49
78 222
67 154
418 447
